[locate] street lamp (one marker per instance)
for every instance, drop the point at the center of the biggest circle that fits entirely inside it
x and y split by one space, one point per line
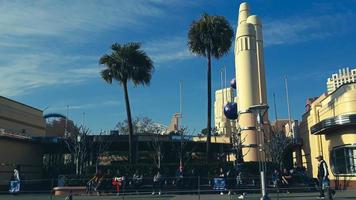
260 110
79 138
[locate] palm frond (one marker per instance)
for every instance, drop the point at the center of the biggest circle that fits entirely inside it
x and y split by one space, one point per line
127 62
106 74
210 34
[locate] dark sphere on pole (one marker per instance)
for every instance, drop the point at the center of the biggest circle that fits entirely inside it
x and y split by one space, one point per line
233 83
230 110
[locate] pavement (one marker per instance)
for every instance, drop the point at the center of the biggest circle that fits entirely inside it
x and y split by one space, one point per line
341 195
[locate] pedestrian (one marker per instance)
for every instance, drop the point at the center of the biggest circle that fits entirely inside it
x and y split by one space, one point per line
323 178
220 182
93 183
137 180
231 180
157 183
179 177
276 178
15 182
286 179
193 180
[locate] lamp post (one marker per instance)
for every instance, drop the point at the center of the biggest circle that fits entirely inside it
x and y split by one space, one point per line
78 153
259 111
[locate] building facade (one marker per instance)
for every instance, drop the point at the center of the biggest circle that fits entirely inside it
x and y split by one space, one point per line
328 128
18 124
18 118
344 76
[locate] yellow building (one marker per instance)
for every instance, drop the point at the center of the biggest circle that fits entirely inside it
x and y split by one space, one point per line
18 124
328 128
344 76
223 125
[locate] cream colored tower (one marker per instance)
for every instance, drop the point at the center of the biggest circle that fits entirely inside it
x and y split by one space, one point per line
222 97
250 77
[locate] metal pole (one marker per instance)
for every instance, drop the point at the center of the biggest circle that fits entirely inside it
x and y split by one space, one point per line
288 105
66 123
199 187
259 110
222 91
225 86
275 107
181 116
180 102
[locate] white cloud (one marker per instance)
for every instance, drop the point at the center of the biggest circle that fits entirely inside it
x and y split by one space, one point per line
168 49
28 58
62 17
305 28
98 104
22 74
36 39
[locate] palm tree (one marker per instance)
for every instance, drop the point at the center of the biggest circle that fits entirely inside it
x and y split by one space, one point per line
127 63
210 36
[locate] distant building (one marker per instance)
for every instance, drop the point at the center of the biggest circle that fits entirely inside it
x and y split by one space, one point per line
19 123
21 119
279 125
174 125
328 128
223 125
344 76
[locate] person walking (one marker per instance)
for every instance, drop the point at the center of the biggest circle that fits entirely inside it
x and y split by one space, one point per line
323 178
157 183
137 180
15 182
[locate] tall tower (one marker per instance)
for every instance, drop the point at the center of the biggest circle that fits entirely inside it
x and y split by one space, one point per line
250 77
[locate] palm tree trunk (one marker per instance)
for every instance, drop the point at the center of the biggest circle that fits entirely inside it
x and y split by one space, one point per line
129 122
208 140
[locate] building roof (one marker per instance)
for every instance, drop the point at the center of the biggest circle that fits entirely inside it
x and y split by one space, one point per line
5 98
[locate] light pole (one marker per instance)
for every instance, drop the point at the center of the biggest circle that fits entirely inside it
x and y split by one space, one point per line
259 111
78 153
66 123
180 128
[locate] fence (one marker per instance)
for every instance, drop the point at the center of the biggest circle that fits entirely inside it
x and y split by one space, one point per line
196 186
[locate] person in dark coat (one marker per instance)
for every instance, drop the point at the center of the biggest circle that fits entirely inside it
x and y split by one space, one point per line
323 178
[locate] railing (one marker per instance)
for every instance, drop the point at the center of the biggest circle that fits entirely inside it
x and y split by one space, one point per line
194 185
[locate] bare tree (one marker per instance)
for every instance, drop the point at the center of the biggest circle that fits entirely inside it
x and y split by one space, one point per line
185 153
141 125
237 145
278 147
78 144
103 141
156 144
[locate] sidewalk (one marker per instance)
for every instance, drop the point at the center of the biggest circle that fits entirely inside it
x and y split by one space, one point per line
341 195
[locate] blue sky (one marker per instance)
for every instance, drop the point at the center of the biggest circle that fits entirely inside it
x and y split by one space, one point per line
49 53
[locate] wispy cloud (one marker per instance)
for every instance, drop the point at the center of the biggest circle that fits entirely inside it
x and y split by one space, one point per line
22 74
63 17
304 28
168 49
99 104
28 57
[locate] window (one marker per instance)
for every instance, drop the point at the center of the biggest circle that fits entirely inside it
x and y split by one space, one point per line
344 160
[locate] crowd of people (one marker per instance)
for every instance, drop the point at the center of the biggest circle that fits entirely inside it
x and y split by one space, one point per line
107 182
226 181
